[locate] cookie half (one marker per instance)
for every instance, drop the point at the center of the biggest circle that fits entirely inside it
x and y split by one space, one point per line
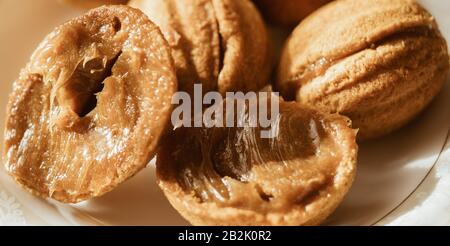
89 108
234 176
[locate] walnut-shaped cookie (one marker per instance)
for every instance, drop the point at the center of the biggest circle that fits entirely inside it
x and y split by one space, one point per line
380 65
235 176
91 105
222 44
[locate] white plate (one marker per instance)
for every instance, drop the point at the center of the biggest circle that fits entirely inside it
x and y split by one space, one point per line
403 179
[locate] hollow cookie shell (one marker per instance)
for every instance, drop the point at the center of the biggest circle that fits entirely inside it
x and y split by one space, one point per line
288 12
222 44
232 176
89 108
380 67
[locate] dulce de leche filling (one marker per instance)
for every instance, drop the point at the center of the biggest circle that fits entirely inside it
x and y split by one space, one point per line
90 106
235 167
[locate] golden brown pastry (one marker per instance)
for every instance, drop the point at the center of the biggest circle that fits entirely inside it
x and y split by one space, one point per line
380 66
89 108
222 44
92 3
288 12
232 176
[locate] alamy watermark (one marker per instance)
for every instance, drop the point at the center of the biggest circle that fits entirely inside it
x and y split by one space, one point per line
252 109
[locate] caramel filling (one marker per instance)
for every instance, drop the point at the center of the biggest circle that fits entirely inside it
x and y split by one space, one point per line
236 167
60 142
79 93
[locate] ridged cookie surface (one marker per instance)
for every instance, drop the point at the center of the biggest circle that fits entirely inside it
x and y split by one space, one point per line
380 66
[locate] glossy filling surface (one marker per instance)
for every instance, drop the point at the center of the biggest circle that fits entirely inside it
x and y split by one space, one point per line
235 167
88 109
